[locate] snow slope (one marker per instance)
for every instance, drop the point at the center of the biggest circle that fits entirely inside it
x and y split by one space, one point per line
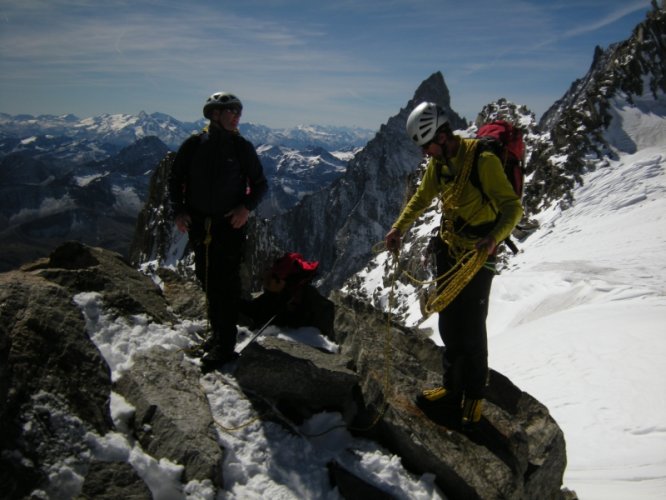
262 459
578 320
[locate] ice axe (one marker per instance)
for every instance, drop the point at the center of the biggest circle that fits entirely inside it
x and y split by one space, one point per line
258 332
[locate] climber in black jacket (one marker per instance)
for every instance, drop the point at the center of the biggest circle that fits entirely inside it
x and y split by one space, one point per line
215 182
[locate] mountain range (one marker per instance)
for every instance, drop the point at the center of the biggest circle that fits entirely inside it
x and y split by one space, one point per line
65 178
68 137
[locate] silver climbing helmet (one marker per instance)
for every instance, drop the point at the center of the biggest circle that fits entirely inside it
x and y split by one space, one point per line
423 122
220 100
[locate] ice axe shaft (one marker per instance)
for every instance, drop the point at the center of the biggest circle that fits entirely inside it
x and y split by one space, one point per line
259 332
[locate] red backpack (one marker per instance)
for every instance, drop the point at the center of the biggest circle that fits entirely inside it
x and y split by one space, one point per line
290 271
506 141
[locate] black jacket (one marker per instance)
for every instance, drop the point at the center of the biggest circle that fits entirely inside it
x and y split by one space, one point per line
213 173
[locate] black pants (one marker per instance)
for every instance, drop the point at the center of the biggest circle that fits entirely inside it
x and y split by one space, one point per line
217 267
462 327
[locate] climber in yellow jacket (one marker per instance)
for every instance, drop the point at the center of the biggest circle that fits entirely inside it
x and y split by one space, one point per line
472 219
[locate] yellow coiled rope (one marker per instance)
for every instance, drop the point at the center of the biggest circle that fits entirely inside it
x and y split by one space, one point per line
450 284
468 260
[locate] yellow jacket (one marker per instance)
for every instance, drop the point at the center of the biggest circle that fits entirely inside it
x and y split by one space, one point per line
473 207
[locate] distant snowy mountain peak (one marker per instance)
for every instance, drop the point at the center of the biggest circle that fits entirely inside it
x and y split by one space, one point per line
294 174
302 137
111 132
108 161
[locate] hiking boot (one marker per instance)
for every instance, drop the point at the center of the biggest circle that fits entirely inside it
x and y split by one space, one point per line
471 413
438 397
217 358
209 343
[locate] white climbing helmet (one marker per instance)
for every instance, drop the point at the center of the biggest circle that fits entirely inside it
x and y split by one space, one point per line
220 100
423 122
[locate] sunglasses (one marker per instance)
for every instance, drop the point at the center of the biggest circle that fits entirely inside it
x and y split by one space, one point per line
234 111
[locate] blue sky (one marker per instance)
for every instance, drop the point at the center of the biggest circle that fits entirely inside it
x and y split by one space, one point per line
347 62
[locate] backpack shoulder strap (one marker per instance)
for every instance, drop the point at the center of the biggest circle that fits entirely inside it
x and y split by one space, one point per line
474 178
484 145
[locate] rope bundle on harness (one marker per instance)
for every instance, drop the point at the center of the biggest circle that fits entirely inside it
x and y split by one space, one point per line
468 260
450 284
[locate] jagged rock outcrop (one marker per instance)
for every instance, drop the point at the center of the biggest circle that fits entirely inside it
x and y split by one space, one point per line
54 384
518 451
46 360
297 375
575 124
154 239
113 480
339 226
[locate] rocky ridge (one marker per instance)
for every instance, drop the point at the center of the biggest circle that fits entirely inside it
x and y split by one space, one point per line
49 363
573 128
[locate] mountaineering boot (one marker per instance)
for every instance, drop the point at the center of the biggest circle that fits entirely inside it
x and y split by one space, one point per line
216 357
438 398
471 413
210 342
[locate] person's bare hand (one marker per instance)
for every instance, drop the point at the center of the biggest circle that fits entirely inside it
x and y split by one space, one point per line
238 216
487 245
183 222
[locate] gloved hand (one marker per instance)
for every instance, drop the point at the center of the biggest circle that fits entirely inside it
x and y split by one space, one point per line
393 240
